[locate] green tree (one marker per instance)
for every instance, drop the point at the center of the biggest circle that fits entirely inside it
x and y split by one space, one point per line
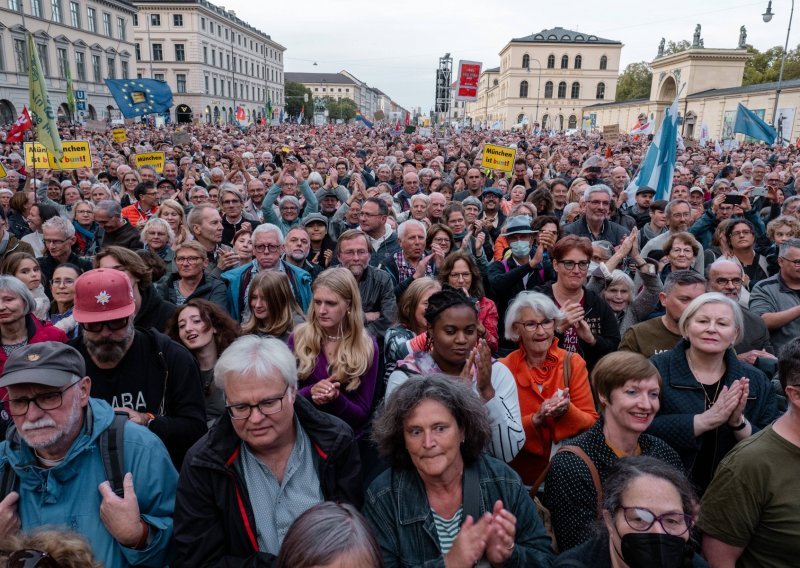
765 67
634 82
344 109
294 100
676 47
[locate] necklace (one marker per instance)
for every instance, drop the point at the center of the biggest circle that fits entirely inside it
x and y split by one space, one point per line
333 337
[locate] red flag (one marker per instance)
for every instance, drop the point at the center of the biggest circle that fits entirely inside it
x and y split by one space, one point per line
397 126
23 123
408 119
240 114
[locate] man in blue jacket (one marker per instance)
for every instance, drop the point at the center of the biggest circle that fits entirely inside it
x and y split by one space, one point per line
53 450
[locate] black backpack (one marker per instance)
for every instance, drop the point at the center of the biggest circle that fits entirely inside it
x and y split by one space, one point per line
112 445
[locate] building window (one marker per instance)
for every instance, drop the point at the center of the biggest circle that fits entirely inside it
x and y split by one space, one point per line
526 61
180 80
21 55
578 61
603 63
158 76
155 20
80 65
57 15
206 80
91 19
98 76
551 61
215 86
36 8
107 24
205 54
226 34
112 67
124 69
203 27
523 90
61 55
562 90
548 90
575 91
42 51
211 27
601 91
565 61
138 50
158 52
180 52
213 58
573 121
121 28
14 5
135 20
177 20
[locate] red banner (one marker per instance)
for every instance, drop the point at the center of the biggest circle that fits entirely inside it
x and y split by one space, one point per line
469 72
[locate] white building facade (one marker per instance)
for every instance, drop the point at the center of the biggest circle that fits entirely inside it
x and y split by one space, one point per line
213 61
93 39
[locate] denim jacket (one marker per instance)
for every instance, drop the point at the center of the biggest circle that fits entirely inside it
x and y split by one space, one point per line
398 511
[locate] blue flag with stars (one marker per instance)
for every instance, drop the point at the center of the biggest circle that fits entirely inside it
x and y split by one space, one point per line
136 97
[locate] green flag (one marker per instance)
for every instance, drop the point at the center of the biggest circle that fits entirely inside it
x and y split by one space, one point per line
41 109
70 91
269 110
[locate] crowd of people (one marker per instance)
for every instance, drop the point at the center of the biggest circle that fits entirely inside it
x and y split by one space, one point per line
306 346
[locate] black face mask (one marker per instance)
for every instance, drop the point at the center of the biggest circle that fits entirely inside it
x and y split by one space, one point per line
653 550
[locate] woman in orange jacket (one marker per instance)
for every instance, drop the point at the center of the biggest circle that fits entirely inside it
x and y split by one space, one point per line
555 397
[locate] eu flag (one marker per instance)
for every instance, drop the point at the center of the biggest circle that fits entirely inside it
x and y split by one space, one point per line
749 123
136 97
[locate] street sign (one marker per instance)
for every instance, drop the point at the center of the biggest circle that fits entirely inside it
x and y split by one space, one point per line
80 95
80 105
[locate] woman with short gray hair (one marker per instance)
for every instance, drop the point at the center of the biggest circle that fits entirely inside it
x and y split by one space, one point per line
433 432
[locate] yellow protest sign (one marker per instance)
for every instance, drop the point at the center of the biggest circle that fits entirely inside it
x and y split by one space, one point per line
2 171
153 159
498 158
77 155
119 135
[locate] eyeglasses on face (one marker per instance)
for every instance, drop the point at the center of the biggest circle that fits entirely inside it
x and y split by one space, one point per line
188 259
532 326
266 407
54 241
796 262
571 264
270 248
44 401
112 325
726 281
641 519
231 202
599 203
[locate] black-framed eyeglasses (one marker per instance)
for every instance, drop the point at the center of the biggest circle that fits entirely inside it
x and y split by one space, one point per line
112 325
30 558
796 263
266 407
571 264
641 519
725 281
44 401
533 325
270 248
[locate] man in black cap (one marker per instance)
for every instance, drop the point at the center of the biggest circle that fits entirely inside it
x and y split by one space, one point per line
640 210
492 217
53 462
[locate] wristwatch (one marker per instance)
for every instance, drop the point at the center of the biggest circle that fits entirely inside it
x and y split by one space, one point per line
740 427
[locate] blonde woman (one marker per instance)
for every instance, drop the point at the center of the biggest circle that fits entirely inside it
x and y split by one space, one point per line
273 309
337 359
172 212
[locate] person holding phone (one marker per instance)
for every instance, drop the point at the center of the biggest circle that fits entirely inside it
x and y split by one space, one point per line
726 206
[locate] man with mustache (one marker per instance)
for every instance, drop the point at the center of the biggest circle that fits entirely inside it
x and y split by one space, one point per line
137 371
53 464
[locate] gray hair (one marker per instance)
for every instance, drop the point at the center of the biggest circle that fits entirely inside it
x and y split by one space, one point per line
81 202
401 230
719 182
230 188
672 204
314 177
712 298
266 228
789 201
380 168
619 277
155 222
260 356
788 245
605 246
682 278
535 301
110 207
58 223
14 285
474 201
720 262
289 199
599 188
425 172
420 197
216 172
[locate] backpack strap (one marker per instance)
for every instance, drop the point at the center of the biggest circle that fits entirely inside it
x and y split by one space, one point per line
112 445
598 487
8 480
567 369
471 492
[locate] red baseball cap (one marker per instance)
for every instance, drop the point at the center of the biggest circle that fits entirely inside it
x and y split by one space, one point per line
103 294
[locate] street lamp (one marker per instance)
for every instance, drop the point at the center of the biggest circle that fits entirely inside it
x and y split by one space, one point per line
767 16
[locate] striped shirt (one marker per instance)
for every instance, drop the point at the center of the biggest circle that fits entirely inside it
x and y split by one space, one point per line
447 529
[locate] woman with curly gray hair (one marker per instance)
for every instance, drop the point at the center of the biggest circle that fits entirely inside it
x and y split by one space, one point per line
433 432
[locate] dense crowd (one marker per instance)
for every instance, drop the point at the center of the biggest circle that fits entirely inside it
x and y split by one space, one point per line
300 346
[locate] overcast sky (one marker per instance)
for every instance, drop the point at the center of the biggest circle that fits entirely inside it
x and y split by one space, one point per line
395 46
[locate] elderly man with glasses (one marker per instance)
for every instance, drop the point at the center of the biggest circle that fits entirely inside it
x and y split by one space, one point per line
271 457
595 223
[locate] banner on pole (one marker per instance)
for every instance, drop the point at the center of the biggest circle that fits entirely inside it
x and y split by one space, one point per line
469 72
77 155
498 158
152 159
119 135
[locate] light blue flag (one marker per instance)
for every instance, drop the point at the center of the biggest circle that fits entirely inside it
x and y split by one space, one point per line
659 162
747 122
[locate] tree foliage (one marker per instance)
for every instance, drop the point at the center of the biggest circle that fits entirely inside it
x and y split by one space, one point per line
634 82
294 99
344 108
676 46
765 67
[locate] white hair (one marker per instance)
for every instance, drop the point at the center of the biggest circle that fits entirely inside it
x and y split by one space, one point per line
403 228
266 228
259 356
537 302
